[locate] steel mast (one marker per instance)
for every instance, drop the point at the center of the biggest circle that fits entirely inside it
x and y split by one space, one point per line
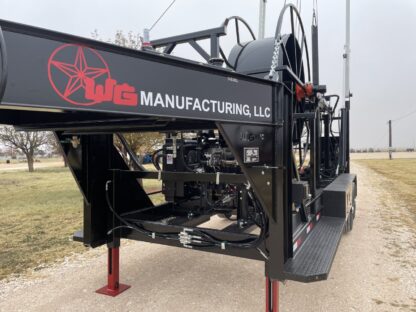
262 18
347 52
346 95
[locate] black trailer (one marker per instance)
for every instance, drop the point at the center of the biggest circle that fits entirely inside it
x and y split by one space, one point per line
249 137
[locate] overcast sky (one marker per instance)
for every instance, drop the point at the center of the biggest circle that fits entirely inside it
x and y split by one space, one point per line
382 42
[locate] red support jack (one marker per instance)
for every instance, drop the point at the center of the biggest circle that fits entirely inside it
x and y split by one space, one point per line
272 295
113 287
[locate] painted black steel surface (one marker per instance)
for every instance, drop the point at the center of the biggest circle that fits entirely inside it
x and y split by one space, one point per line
314 259
147 91
40 63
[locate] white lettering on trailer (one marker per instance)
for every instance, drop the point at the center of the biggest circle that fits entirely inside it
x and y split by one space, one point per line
173 101
267 112
159 100
204 105
182 105
197 105
170 101
188 102
146 99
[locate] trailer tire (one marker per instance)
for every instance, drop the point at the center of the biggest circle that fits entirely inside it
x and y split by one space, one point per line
349 223
354 207
351 219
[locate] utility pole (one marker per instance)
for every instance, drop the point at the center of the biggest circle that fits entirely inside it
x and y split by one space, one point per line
262 19
390 142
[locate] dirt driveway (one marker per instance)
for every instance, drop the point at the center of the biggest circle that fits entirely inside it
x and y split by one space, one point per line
374 271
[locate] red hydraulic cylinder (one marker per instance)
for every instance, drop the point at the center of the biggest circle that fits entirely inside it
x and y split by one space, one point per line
272 295
113 287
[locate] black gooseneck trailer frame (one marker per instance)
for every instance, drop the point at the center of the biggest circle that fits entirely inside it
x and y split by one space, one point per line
86 91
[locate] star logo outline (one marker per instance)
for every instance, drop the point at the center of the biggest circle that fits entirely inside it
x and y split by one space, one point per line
77 72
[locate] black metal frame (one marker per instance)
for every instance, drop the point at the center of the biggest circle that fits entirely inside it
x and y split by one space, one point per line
216 55
95 160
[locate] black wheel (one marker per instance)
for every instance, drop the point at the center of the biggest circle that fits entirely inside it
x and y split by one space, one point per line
291 51
290 40
350 222
238 22
354 207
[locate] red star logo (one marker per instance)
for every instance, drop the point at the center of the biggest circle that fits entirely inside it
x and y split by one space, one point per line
68 79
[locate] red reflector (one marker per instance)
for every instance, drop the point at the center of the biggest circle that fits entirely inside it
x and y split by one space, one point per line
296 244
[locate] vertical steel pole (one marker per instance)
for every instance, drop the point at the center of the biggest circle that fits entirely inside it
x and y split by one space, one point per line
345 136
113 287
146 39
347 53
272 295
390 142
262 19
315 54
347 88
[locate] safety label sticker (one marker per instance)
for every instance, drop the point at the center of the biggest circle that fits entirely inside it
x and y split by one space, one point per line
251 155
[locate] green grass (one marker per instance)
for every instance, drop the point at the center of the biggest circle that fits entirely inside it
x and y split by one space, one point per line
39 213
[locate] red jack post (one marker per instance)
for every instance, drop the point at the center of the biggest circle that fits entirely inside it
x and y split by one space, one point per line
113 287
272 295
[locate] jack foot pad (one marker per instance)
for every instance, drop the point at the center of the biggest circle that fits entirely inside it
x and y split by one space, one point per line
112 292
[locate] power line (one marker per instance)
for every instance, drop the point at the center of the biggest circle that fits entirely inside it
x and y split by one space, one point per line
404 116
163 14
380 139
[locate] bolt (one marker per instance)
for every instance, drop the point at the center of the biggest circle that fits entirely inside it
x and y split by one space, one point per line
268 183
262 172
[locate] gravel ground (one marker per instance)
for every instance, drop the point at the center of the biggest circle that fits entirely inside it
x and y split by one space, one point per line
374 270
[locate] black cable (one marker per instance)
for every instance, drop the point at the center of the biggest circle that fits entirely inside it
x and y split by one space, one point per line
404 116
155 159
132 226
163 14
110 206
212 240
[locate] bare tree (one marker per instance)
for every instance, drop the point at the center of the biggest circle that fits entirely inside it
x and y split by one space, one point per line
140 143
55 147
131 40
27 142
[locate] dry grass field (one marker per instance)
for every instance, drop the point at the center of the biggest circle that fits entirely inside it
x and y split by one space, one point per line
39 212
399 184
